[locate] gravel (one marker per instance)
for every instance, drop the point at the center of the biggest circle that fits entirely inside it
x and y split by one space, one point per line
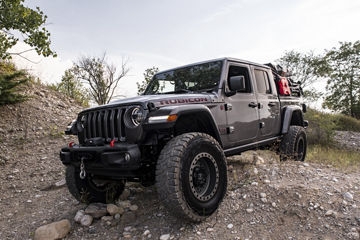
303 200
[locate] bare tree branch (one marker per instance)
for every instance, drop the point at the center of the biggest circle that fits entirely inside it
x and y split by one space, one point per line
19 54
102 77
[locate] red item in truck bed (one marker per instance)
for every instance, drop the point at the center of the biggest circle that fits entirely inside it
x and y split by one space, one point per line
284 88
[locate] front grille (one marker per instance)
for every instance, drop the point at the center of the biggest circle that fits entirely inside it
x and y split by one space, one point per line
107 124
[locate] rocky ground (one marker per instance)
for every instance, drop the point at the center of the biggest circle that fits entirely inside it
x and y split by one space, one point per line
348 140
266 199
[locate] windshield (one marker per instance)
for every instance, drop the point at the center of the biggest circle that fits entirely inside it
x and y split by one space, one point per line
195 78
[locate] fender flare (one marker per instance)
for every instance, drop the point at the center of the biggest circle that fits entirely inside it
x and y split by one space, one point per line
193 110
287 117
196 109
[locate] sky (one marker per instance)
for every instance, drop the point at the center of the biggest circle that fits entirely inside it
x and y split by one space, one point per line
170 33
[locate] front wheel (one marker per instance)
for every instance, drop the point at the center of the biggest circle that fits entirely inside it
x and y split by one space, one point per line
294 144
91 189
191 176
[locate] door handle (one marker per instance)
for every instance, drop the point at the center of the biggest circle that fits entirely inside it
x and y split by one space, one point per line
272 104
253 105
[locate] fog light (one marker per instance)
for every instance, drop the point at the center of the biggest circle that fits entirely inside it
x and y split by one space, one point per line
127 157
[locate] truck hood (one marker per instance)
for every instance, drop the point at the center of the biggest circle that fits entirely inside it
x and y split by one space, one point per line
162 100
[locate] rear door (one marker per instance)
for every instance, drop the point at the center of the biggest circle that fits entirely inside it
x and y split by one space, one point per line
242 115
268 103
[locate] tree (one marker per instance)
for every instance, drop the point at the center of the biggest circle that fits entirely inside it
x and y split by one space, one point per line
102 77
302 67
342 68
10 80
148 75
16 19
72 87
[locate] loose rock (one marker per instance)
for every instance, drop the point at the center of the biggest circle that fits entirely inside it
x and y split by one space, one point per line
259 160
165 237
348 196
107 218
79 215
134 207
249 210
331 213
112 209
55 230
86 220
96 210
126 235
124 204
353 235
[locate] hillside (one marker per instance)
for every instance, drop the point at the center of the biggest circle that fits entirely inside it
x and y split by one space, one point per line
267 199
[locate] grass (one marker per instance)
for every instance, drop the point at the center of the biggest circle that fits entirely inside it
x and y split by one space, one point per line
340 158
55 132
322 126
346 123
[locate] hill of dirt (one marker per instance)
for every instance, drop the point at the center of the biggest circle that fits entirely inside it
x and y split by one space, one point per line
266 199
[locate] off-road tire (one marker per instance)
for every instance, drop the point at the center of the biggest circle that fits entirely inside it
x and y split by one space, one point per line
293 146
175 176
86 191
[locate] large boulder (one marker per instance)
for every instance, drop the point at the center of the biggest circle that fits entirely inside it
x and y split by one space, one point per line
55 230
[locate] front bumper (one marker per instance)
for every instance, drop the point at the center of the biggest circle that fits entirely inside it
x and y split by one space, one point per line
102 158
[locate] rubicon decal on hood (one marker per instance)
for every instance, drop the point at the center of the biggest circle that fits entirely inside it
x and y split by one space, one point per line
183 100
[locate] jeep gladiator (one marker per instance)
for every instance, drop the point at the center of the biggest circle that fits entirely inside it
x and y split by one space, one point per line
178 134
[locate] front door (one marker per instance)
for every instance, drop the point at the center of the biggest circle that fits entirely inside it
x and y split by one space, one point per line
241 108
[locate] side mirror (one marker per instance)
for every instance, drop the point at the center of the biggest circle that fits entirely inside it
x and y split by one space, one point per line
237 83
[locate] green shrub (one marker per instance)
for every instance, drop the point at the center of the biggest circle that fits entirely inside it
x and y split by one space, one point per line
321 127
346 123
73 88
10 82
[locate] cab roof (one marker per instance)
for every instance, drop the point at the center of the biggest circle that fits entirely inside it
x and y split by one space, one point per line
218 59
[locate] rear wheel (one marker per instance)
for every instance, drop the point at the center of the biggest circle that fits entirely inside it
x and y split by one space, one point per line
191 176
293 146
91 189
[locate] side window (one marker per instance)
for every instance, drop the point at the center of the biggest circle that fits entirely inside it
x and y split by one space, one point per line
262 82
240 71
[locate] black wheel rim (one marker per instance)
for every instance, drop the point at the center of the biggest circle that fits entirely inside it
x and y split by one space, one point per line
204 176
300 149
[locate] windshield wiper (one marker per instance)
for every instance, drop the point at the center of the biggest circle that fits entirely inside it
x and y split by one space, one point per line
182 90
208 90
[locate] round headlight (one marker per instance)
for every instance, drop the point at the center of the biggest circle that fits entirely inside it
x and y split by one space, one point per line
136 116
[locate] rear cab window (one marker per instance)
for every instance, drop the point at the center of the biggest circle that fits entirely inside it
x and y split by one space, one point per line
262 82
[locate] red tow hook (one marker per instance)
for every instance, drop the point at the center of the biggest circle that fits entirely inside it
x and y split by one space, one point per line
71 144
112 143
